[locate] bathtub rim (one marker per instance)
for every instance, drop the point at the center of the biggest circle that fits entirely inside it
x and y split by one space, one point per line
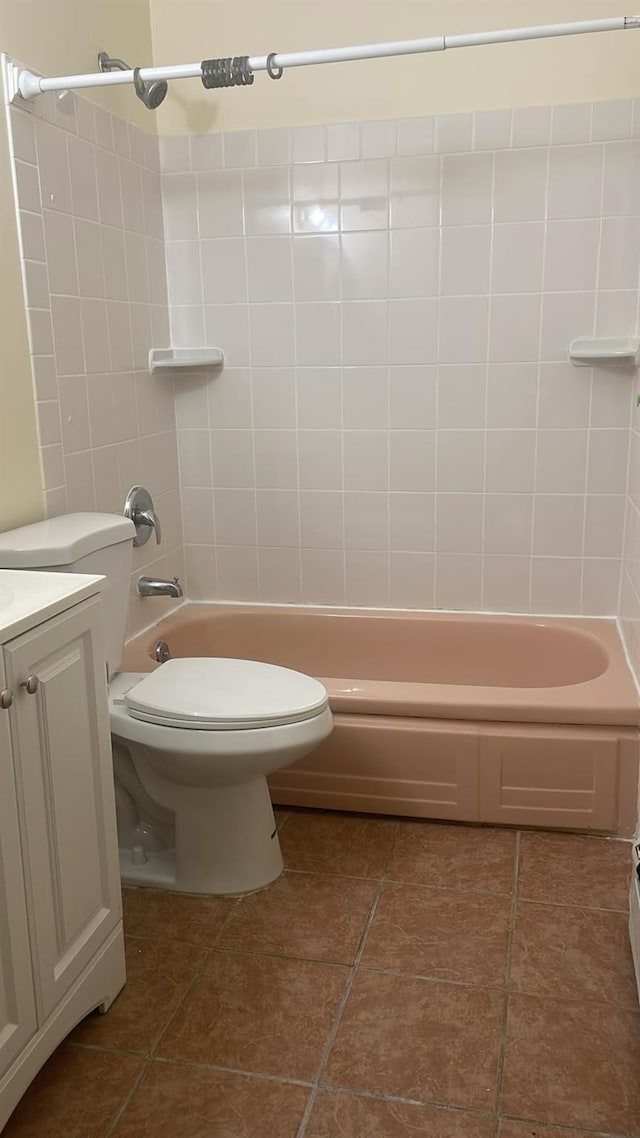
610 699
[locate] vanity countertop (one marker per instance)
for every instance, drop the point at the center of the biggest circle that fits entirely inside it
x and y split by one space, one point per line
28 594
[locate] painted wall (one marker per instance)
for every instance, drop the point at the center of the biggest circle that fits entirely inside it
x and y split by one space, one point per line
51 36
581 68
65 36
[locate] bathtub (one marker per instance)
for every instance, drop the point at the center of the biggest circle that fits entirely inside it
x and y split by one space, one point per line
522 721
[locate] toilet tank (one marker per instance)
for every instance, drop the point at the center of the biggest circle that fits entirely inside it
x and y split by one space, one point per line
81 543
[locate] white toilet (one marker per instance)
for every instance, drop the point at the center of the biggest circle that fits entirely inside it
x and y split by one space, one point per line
193 740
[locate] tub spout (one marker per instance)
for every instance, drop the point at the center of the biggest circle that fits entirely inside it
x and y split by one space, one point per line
159 587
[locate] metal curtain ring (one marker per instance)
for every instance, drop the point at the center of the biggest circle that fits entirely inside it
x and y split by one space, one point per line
272 71
138 83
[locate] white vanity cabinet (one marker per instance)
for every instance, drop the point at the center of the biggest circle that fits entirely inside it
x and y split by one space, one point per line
17 997
61 945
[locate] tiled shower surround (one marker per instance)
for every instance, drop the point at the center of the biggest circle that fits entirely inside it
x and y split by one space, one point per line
629 613
397 422
91 233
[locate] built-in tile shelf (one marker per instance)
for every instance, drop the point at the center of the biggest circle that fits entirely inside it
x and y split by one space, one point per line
605 351
187 359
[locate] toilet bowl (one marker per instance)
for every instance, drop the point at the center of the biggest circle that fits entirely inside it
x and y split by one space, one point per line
202 735
193 740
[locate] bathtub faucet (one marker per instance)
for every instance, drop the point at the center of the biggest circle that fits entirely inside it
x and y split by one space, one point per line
159 587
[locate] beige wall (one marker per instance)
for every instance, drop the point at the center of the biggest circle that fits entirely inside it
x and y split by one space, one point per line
59 37
53 36
575 69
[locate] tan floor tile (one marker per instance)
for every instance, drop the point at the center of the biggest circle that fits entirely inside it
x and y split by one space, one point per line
510 1129
419 1039
570 869
472 858
573 1064
321 918
440 933
76 1095
155 913
211 1104
258 1013
339 1115
337 843
158 975
575 954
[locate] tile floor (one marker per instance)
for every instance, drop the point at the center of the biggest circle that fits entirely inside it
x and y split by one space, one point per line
400 979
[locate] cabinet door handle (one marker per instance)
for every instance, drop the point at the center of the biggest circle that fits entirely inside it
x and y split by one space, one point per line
6 699
32 684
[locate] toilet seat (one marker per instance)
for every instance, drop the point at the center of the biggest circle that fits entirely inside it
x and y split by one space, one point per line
217 694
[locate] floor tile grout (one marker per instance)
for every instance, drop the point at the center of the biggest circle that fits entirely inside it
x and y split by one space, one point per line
512 925
105 1047
333 876
280 956
380 1096
445 888
561 1127
151 1054
345 996
570 905
146 1063
264 1076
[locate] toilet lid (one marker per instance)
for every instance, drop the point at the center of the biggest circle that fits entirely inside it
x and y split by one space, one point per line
217 694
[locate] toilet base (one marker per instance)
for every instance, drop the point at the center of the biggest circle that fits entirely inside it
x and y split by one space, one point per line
225 839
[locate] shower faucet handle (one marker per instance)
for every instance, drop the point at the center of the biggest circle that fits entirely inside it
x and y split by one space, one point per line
140 508
148 518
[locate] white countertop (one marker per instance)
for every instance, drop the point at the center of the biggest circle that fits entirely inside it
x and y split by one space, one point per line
28 597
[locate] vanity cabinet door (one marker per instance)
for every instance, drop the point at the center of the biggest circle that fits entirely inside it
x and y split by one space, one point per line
62 748
17 1007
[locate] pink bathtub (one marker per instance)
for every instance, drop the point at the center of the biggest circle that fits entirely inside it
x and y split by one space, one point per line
475 718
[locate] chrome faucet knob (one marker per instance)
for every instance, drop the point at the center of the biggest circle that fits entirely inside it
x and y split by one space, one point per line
147 518
140 508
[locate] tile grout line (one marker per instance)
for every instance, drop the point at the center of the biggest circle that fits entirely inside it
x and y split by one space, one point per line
152 1052
302 1129
560 1126
146 1063
505 1014
263 1076
380 1096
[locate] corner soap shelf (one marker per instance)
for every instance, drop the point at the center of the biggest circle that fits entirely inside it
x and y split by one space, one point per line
605 351
185 359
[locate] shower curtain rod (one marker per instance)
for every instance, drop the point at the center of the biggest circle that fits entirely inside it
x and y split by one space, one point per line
29 85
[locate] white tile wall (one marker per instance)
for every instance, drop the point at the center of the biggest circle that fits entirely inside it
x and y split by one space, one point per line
398 422
629 605
92 239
